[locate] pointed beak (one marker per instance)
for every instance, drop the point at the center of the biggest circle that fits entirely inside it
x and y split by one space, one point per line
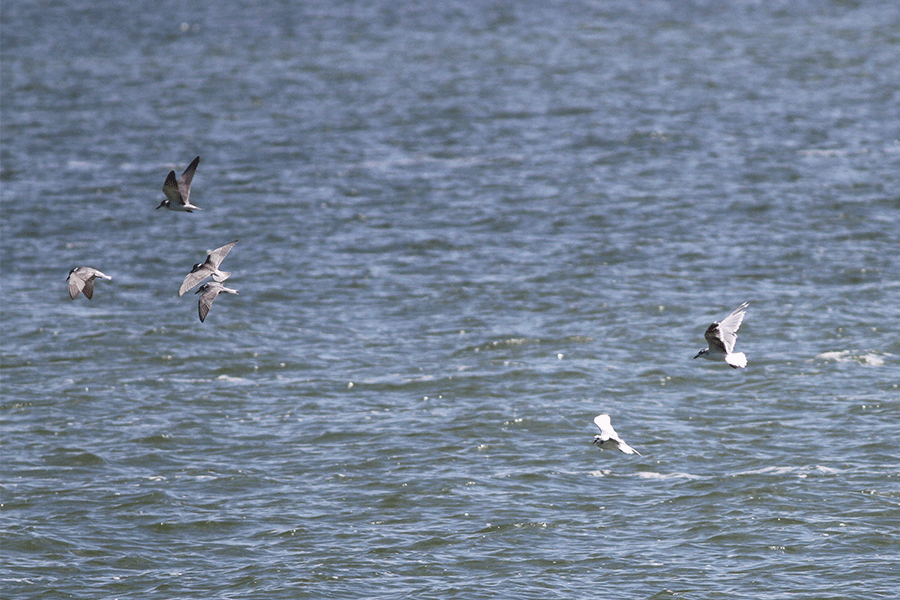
161 204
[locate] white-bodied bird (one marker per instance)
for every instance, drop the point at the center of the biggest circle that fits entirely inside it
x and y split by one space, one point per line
81 279
208 268
608 438
721 338
208 293
178 191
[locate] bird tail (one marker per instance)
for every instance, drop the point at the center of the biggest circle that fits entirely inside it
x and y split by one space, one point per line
221 276
737 360
628 449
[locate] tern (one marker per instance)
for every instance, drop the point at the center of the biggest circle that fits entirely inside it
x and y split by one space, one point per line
208 293
178 191
208 268
608 438
721 338
81 279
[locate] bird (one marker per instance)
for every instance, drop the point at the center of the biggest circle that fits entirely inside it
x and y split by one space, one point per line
208 268
721 338
208 293
81 279
608 438
178 191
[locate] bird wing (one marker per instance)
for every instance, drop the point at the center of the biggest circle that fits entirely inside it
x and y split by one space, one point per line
206 300
193 278
714 338
608 433
76 284
216 257
729 326
627 449
88 287
606 429
184 182
170 189
81 279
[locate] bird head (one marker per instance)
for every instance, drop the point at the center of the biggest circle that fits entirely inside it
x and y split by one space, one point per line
196 267
702 352
163 203
597 440
203 288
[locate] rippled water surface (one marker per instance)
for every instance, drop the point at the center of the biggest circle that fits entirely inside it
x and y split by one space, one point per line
465 230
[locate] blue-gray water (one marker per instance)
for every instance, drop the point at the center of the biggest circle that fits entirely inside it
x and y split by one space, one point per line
466 228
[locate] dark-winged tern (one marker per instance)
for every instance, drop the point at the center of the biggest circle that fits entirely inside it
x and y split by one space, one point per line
208 293
208 268
608 438
721 338
178 191
81 279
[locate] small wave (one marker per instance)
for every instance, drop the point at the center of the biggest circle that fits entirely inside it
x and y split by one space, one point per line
504 343
843 356
801 472
679 475
830 152
600 473
83 165
408 161
515 342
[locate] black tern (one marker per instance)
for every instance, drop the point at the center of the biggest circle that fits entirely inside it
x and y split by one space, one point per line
721 338
608 438
178 191
208 293
208 268
81 279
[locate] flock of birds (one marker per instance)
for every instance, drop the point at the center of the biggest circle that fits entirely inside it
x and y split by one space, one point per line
720 336
178 193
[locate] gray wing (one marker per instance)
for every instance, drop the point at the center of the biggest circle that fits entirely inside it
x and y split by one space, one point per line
88 288
184 182
216 257
81 279
209 267
714 338
76 284
170 189
729 326
193 278
206 299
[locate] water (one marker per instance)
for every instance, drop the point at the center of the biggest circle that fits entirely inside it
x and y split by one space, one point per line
465 230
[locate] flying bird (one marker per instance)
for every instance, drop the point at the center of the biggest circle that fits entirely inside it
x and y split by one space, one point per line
208 293
208 268
608 438
721 338
81 279
179 191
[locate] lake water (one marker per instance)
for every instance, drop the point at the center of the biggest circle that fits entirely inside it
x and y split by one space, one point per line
466 228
